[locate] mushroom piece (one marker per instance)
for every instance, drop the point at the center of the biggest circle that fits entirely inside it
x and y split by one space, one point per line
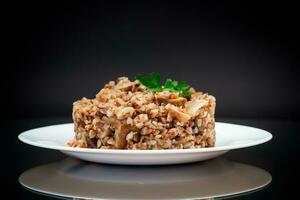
121 131
124 84
177 102
166 97
91 142
176 113
104 132
193 107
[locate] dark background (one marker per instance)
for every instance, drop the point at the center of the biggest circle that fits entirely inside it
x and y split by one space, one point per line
244 54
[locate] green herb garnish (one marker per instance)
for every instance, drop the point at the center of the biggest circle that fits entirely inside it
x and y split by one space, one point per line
152 82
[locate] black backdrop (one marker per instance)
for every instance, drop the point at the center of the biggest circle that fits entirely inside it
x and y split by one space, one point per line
244 54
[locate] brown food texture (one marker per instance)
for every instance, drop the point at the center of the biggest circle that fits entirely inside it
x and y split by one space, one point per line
125 115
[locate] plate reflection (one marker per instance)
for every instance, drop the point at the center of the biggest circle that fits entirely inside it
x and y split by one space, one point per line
73 178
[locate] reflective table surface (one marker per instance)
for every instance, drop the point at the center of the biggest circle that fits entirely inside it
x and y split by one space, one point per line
259 172
77 179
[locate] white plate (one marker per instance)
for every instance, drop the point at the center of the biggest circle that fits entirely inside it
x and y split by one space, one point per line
229 136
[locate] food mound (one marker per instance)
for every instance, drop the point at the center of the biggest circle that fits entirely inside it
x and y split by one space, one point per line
130 115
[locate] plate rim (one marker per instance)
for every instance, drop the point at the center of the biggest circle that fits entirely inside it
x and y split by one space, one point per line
22 137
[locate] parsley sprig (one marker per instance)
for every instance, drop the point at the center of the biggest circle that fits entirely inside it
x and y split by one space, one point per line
153 83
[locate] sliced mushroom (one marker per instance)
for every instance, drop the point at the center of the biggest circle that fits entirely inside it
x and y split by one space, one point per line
91 142
193 107
176 113
104 133
167 97
177 102
123 83
121 131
